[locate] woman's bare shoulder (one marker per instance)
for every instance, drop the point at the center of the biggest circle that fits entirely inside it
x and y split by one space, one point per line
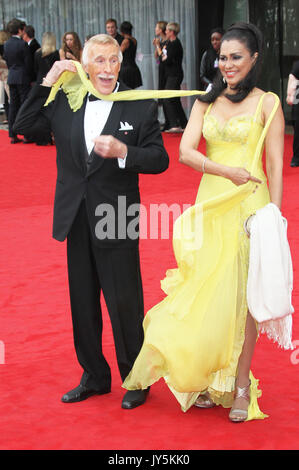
200 106
270 99
269 102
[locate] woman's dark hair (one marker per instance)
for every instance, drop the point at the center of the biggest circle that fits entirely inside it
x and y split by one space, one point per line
210 56
126 27
14 25
251 37
217 30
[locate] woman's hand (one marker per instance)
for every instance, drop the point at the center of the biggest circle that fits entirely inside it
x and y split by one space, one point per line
241 176
70 56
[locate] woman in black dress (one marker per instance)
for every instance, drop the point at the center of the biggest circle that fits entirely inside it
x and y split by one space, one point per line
172 60
129 72
210 58
160 42
44 58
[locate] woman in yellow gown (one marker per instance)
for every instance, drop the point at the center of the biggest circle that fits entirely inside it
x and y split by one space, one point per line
201 337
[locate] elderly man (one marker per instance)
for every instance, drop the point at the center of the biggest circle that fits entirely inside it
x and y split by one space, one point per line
101 148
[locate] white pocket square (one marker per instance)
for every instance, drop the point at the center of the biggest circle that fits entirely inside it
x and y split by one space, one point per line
124 126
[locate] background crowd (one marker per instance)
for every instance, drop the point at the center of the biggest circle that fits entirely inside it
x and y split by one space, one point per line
23 64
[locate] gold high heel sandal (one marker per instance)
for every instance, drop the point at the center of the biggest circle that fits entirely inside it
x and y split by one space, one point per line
236 415
204 401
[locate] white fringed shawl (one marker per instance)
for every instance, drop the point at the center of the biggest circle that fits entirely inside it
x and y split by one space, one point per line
270 275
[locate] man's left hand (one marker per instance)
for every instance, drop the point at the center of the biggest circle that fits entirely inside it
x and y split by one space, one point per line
108 146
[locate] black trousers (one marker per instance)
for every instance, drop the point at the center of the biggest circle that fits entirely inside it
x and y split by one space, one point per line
295 158
172 107
17 95
116 273
6 104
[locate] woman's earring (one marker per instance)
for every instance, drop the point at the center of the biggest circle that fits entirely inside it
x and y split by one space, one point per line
224 79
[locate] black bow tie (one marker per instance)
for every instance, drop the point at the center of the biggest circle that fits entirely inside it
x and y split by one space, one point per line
93 98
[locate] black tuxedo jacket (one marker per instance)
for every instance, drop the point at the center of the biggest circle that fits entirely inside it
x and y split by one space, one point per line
19 61
33 46
110 192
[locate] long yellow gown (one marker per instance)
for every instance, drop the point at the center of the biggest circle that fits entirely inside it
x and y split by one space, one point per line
194 336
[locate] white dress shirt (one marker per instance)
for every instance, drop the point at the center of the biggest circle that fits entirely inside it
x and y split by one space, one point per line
95 118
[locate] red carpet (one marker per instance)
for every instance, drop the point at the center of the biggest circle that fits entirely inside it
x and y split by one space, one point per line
36 343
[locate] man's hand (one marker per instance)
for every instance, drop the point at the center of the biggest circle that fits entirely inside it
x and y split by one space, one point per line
57 69
291 89
108 146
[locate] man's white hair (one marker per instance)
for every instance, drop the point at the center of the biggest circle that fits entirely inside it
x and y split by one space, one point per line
100 39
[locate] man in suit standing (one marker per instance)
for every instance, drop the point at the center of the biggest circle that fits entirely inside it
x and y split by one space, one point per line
111 29
33 44
101 149
19 62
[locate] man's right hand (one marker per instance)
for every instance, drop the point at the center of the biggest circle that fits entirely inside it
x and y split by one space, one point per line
57 69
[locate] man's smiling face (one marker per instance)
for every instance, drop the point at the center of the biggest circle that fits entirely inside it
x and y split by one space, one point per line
103 66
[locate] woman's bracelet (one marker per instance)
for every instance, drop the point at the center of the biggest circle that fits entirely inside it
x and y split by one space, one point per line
247 225
203 164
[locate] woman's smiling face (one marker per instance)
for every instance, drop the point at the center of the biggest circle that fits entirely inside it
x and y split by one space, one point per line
235 61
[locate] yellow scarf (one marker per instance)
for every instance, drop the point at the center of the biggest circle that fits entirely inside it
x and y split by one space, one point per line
76 85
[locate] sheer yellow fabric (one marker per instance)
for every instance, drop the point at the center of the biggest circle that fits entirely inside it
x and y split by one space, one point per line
194 337
76 85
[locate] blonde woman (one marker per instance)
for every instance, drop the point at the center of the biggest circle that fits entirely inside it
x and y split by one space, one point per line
45 56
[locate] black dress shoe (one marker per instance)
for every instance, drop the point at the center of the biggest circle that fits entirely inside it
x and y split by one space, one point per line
45 142
134 398
15 140
81 393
